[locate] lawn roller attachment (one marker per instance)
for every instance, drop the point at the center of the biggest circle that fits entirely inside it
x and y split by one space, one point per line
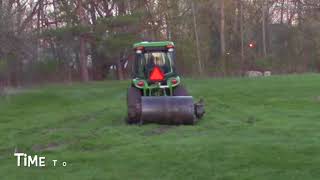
156 94
169 110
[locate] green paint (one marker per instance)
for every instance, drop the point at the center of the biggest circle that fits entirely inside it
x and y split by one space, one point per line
153 44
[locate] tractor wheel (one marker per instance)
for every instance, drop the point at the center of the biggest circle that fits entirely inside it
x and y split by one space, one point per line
134 105
180 91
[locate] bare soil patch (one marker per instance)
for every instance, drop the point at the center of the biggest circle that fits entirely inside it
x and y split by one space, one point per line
47 147
160 130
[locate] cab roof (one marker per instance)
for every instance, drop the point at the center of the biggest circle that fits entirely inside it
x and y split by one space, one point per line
153 44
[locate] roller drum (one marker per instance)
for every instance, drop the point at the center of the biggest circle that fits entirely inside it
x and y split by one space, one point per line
168 110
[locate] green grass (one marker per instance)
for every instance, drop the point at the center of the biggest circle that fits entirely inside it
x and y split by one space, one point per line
264 128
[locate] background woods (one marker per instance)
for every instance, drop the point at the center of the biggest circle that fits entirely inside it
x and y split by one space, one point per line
60 40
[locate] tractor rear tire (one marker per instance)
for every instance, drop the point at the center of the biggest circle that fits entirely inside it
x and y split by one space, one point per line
180 91
134 105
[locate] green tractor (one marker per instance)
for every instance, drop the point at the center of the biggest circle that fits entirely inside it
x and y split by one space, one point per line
156 94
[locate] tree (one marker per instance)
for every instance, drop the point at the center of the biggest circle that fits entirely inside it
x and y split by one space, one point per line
195 26
82 53
241 30
264 43
222 28
63 40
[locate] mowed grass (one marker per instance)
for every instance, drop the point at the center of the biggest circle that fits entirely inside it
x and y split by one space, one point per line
260 128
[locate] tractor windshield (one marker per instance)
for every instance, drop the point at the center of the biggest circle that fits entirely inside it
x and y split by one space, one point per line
146 61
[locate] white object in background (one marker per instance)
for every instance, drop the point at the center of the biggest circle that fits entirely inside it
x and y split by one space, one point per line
267 73
254 73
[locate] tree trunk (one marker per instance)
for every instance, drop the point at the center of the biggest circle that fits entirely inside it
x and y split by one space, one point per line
299 13
222 38
235 33
2 84
197 38
83 60
82 54
173 13
168 31
120 69
55 13
97 72
39 17
281 12
222 29
241 31
264 43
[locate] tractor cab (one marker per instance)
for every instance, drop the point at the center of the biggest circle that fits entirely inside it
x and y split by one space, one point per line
154 61
153 68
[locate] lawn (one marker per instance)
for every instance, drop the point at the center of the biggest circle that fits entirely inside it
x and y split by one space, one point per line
260 128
